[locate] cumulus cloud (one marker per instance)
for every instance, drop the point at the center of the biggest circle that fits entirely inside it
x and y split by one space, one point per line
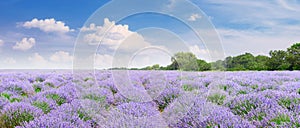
24 44
113 38
48 25
1 43
194 17
195 49
61 56
10 61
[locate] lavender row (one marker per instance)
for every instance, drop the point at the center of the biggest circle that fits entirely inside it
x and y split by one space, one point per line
150 99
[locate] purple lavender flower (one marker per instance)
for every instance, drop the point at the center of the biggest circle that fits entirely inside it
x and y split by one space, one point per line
133 114
16 114
67 115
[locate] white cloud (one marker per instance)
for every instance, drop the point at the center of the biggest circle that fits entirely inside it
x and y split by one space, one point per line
24 44
1 43
38 60
131 43
206 54
61 56
197 51
10 61
48 25
194 17
116 36
92 27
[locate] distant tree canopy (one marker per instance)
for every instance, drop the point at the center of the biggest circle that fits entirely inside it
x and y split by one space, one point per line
277 60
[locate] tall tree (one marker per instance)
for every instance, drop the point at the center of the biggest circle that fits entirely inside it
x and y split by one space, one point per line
186 61
294 56
247 61
261 62
229 63
278 60
218 65
242 62
203 65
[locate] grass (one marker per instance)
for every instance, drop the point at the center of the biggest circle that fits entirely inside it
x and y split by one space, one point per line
187 87
42 105
58 99
15 119
241 92
216 98
95 98
37 89
244 108
8 97
281 119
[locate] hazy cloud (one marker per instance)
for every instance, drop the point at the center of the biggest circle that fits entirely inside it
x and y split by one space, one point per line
38 60
1 43
61 56
290 5
10 60
194 17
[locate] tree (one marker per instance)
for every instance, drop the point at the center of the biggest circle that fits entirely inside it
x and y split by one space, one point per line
203 65
293 56
186 61
261 62
156 67
278 60
244 62
229 63
173 66
218 65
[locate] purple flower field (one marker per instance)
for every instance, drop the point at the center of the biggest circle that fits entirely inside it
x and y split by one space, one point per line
155 99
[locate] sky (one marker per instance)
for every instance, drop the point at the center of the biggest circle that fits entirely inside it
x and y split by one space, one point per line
56 34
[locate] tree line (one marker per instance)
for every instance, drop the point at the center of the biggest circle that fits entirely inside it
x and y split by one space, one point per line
277 60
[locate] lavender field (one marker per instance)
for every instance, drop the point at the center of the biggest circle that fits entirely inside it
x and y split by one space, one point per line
187 99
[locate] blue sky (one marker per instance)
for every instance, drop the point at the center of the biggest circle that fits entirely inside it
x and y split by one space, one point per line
42 34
